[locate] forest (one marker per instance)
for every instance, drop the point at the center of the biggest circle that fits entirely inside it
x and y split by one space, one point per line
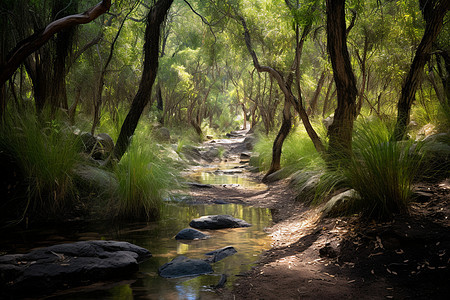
331 117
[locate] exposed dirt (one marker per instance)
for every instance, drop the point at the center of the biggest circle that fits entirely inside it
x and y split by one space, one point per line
344 258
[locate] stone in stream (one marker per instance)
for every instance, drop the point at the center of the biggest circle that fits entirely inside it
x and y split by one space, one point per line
191 234
45 270
220 254
182 266
218 222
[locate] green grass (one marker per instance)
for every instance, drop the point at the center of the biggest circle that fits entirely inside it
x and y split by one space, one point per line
382 171
45 152
145 177
298 152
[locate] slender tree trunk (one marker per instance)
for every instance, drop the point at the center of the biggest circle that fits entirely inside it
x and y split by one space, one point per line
285 128
434 14
340 132
364 78
155 18
315 98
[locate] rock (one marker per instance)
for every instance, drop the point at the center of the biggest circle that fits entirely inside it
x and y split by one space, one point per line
305 183
62 266
210 154
191 234
220 254
88 141
340 203
218 222
199 185
249 142
106 142
162 134
328 121
183 266
90 179
275 176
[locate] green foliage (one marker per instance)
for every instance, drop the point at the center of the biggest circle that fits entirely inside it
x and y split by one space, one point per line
145 177
382 171
298 152
46 152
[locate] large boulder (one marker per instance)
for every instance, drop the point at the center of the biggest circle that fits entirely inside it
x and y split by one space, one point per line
63 266
92 180
183 266
191 234
218 222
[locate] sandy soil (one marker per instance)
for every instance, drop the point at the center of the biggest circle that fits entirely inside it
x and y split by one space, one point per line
344 258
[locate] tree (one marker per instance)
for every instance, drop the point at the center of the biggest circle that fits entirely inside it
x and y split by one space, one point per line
27 46
340 132
433 12
155 18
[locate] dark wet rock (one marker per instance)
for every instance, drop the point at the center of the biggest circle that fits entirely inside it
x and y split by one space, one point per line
183 266
220 254
200 185
191 234
218 222
220 202
63 266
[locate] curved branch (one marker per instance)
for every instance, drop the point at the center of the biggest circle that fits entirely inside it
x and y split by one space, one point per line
34 42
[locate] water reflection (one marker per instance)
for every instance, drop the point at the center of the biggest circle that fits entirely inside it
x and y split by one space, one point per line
158 237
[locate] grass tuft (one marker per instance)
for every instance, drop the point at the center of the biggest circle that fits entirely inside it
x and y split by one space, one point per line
144 179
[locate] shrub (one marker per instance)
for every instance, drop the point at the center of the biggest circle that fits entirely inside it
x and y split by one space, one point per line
144 179
45 152
382 171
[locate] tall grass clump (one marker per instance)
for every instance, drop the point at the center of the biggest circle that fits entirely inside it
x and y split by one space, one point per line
46 153
381 171
145 178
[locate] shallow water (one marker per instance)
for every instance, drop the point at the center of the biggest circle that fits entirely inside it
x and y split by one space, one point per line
158 238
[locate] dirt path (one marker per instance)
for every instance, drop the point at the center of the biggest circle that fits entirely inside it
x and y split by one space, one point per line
342 258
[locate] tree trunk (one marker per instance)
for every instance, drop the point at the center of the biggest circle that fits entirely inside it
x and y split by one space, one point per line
315 98
26 47
289 96
340 132
434 13
285 128
362 61
155 18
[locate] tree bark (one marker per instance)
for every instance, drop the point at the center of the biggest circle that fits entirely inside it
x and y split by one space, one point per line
434 13
313 103
340 132
285 128
289 96
35 41
155 18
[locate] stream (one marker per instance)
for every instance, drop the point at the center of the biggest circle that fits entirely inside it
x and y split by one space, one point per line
158 238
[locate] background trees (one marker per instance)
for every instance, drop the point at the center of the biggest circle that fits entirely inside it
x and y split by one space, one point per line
208 79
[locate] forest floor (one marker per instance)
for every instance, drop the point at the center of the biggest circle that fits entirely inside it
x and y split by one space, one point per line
343 258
